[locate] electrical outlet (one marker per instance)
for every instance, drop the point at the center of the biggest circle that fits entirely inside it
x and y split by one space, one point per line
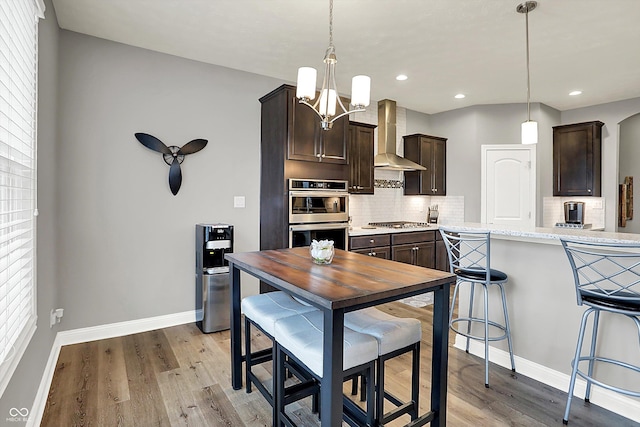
238 202
55 316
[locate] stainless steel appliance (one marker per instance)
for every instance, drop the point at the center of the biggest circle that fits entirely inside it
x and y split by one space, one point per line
213 241
318 201
399 224
574 212
318 209
303 234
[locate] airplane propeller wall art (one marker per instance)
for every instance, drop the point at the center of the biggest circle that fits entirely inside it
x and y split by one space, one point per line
172 155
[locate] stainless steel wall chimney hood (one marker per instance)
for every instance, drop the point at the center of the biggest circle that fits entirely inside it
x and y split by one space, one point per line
387 157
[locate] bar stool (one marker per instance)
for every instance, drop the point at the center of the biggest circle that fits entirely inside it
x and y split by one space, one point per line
300 338
395 336
607 278
263 311
469 259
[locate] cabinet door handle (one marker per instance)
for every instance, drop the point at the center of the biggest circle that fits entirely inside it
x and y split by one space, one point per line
323 155
318 155
589 190
372 241
372 254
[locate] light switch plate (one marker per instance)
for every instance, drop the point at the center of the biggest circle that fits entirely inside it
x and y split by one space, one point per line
238 202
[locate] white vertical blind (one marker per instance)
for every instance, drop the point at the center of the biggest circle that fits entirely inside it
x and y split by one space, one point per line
18 97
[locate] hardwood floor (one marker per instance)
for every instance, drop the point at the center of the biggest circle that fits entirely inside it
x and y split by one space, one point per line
180 377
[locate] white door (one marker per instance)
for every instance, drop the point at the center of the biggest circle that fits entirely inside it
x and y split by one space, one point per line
508 192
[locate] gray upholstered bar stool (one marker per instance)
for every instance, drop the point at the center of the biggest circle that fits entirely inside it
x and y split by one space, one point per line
607 279
300 338
262 311
395 336
470 260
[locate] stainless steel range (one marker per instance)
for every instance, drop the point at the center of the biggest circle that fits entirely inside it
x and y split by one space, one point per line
399 224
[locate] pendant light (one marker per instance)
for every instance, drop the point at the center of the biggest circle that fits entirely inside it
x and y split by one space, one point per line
328 101
530 127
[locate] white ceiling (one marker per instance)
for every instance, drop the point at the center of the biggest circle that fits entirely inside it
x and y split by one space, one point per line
476 47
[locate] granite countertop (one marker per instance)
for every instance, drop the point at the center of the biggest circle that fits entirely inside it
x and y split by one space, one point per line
549 235
359 231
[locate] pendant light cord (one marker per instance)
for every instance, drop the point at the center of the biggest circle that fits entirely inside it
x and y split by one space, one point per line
526 16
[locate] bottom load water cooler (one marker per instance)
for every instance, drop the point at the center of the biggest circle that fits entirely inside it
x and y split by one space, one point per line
213 241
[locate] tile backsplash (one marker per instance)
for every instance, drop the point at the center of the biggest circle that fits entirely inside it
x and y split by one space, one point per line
390 204
553 210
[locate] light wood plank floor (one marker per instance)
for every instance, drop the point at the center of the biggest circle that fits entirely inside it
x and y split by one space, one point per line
180 377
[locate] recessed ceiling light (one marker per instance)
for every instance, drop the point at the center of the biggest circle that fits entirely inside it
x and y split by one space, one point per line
401 77
575 93
459 96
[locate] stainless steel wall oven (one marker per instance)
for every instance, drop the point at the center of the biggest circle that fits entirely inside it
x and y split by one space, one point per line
318 209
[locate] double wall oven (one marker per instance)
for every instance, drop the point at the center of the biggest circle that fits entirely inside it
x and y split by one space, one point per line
318 209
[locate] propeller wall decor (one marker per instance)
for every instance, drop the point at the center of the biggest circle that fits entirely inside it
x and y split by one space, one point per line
172 155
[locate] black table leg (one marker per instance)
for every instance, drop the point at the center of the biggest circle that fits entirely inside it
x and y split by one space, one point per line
331 389
236 329
439 360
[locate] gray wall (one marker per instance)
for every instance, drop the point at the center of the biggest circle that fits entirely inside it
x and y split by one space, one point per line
611 115
629 165
467 129
21 390
126 243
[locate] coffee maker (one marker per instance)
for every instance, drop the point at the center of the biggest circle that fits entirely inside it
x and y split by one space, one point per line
574 212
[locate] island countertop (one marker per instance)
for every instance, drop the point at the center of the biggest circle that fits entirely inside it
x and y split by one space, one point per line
545 235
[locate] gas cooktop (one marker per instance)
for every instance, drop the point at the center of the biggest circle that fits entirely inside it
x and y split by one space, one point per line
399 224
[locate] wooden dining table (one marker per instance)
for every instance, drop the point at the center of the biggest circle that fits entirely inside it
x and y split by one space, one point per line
351 282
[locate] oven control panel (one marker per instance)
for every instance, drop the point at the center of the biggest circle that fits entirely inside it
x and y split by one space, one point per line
312 184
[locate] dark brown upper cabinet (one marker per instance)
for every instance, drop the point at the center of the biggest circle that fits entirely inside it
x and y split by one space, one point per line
577 158
360 150
430 152
312 144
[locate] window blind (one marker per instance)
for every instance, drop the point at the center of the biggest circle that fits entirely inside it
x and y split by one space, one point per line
18 98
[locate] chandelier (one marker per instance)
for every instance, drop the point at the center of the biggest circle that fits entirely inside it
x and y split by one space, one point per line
329 100
529 128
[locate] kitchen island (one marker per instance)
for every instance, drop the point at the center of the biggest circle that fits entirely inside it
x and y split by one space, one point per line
545 317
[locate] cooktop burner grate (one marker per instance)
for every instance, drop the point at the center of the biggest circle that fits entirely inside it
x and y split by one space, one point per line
399 224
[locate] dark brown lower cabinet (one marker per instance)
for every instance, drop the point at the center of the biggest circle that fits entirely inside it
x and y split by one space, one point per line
421 248
379 252
420 254
442 258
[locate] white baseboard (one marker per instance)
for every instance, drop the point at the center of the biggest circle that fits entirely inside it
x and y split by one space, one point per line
614 402
94 333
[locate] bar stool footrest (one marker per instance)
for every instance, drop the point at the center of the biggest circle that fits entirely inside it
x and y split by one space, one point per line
479 321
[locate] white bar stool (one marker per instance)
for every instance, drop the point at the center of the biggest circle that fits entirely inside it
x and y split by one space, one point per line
607 279
470 260
263 311
300 338
395 336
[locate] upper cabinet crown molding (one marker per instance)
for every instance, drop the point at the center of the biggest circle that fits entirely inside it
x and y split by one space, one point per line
577 159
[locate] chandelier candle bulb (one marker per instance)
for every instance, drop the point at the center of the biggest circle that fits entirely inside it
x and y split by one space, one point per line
306 86
328 104
360 91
